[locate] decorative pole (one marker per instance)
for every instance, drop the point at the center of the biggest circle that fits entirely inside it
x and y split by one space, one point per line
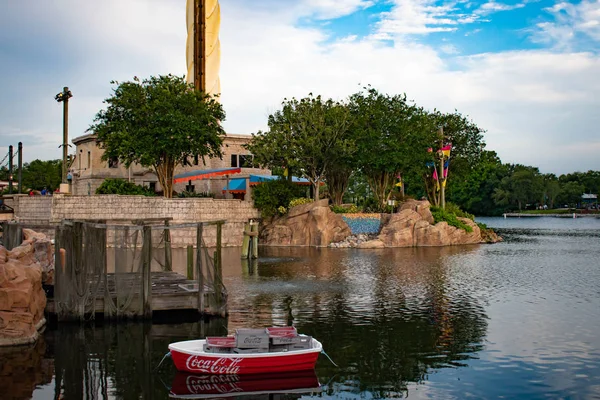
10 169
441 174
20 164
63 97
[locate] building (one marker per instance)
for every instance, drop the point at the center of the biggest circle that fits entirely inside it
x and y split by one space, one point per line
88 170
589 200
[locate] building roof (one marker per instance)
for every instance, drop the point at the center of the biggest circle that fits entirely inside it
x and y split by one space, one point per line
589 196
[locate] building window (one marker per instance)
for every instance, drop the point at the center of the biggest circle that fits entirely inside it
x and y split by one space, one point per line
189 187
89 159
79 161
234 160
196 159
152 186
246 160
113 162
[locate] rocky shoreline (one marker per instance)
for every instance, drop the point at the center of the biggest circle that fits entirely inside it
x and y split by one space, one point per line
413 225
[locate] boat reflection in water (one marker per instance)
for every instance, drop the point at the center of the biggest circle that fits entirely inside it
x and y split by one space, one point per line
190 386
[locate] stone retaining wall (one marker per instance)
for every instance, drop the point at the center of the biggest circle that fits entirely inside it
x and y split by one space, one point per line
53 209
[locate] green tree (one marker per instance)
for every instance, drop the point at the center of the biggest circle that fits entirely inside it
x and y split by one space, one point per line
40 174
159 122
391 137
306 135
570 193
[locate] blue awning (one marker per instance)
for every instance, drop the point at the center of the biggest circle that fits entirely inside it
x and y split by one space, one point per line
238 185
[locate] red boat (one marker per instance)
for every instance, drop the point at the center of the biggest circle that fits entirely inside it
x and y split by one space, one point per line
250 351
191 386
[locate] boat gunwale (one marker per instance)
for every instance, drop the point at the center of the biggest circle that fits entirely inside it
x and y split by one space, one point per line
317 347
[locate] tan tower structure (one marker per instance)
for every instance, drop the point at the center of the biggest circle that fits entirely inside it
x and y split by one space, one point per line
203 50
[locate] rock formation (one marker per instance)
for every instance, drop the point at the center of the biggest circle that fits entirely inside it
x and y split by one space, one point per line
312 224
22 299
413 226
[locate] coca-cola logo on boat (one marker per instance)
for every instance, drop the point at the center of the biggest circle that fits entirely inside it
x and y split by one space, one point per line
213 366
213 383
252 340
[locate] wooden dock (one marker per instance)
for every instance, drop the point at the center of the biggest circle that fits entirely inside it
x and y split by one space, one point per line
170 292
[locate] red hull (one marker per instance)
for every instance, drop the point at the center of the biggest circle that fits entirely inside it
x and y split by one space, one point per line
188 358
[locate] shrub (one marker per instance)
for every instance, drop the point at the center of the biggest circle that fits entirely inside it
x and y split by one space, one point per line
440 215
345 209
271 195
454 209
371 206
123 187
300 201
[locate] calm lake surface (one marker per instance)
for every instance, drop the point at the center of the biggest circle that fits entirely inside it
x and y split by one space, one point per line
518 319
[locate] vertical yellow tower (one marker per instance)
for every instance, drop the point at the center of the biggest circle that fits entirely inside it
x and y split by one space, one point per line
203 52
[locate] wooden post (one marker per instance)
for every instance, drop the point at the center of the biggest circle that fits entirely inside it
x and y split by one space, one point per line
78 265
146 272
218 276
168 251
190 262
254 230
199 272
246 241
5 234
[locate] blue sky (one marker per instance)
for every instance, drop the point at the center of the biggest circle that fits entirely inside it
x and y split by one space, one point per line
526 71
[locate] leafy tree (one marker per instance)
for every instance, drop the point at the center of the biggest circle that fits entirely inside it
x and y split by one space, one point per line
306 135
551 189
570 193
40 174
271 195
391 137
159 122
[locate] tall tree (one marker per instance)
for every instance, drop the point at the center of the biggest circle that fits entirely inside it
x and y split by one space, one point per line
391 136
40 174
306 135
159 122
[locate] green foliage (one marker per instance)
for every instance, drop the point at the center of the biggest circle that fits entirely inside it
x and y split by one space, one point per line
454 209
187 194
307 136
39 174
440 215
300 201
482 226
371 205
271 195
344 209
391 136
159 122
123 187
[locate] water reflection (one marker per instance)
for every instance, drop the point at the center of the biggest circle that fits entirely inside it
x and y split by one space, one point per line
22 369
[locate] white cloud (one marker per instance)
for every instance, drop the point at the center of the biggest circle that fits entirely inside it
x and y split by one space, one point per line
492 7
569 21
327 9
538 107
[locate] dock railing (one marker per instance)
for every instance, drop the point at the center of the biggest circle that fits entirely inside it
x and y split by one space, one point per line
119 283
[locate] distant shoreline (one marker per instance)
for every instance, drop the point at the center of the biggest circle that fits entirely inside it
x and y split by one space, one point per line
570 215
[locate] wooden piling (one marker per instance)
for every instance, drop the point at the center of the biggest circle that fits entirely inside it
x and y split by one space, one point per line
246 242
199 272
168 251
146 272
190 262
254 231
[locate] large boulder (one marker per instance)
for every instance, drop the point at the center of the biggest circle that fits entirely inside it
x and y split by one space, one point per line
22 299
414 226
312 224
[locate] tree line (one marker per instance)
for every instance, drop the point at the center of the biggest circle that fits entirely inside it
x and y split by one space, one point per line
37 175
369 147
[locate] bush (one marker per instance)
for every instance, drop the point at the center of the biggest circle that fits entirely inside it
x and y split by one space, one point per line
371 206
271 195
123 187
300 201
187 194
454 209
440 215
351 209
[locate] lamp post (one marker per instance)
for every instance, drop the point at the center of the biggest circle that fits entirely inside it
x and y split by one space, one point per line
10 169
63 97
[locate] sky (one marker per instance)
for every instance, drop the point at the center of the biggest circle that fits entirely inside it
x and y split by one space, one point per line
528 72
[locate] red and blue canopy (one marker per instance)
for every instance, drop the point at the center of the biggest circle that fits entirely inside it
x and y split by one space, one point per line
238 185
204 174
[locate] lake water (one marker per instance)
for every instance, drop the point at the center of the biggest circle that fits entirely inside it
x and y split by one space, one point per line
517 319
